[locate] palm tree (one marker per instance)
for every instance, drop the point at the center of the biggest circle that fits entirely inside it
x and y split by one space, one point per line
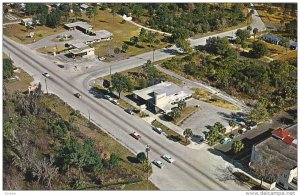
187 133
232 123
237 146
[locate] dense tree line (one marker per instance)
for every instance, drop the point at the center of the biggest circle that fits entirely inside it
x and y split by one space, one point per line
8 70
185 19
275 81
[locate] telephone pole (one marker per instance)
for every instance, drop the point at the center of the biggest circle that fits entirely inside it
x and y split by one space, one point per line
147 151
46 85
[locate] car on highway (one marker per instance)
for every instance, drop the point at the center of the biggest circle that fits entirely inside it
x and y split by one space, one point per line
78 95
114 101
46 75
136 135
158 164
158 130
129 111
109 98
168 158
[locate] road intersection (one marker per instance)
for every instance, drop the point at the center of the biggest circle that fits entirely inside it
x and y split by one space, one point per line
193 169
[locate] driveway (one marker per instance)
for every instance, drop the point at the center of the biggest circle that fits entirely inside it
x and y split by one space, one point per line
207 115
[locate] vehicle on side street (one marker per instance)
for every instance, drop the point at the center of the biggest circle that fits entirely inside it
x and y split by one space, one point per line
158 164
158 130
168 158
78 95
129 111
136 135
46 75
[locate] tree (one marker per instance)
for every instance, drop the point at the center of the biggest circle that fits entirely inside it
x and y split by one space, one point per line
114 160
124 47
141 157
259 113
53 19
217 45
120 83
255 31
89 12
238 41
152 75
285 43
8 70
187 134
134 40
259 49
76 10
232 123
117 50
243 35
249 28
237 146
184 44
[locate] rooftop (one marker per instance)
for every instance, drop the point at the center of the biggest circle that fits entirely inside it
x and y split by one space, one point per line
272 37
81 24
80 45
84 6
279 152
163 87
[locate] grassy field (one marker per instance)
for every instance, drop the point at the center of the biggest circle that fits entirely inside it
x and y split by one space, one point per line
276 18
205 96
144 185
18 33
121 32
51 49
186 112
171 133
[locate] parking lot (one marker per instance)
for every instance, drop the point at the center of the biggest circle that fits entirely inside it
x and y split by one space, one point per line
206 116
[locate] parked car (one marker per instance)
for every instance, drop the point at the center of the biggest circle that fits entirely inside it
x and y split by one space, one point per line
168 158
46 75
136 135
225 140
129 111
158 164
78 95
169 46
158 130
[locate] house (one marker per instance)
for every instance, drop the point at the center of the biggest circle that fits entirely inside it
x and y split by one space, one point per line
99 36
271 38
162 97
27 22
293 45
280 152
81 26
84 7
81 50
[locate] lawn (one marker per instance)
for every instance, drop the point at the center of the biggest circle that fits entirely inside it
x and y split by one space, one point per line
51 49
121 32
19 33
171 133
208 97
144 185
19 85
185 113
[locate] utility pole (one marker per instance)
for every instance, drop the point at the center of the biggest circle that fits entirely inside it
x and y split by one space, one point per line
46 85
147 151
89 116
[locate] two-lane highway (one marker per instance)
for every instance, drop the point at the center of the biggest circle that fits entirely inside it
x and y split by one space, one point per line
193 169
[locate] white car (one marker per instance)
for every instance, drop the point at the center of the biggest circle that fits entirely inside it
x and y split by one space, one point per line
46 75
168 158
114 101
158 164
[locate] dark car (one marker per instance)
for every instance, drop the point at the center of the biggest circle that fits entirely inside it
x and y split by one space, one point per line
78 95
129 111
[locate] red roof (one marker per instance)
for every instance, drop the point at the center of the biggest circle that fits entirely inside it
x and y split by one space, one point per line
288 139
281 133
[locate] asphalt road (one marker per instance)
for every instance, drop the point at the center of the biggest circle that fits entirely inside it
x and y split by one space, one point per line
191 171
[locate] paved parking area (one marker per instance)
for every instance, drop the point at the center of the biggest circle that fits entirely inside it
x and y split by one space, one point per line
207 115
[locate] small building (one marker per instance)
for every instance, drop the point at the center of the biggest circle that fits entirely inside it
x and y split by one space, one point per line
27 21
99 36
293 45
271 38
84 7
81 26
81 50
280 152
162 97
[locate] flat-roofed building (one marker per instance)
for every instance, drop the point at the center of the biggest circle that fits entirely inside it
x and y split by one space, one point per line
162 97
81 26
81 50
102 35
280 152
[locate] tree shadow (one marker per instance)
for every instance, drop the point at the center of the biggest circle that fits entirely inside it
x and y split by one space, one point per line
133 159
170 51
286 121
